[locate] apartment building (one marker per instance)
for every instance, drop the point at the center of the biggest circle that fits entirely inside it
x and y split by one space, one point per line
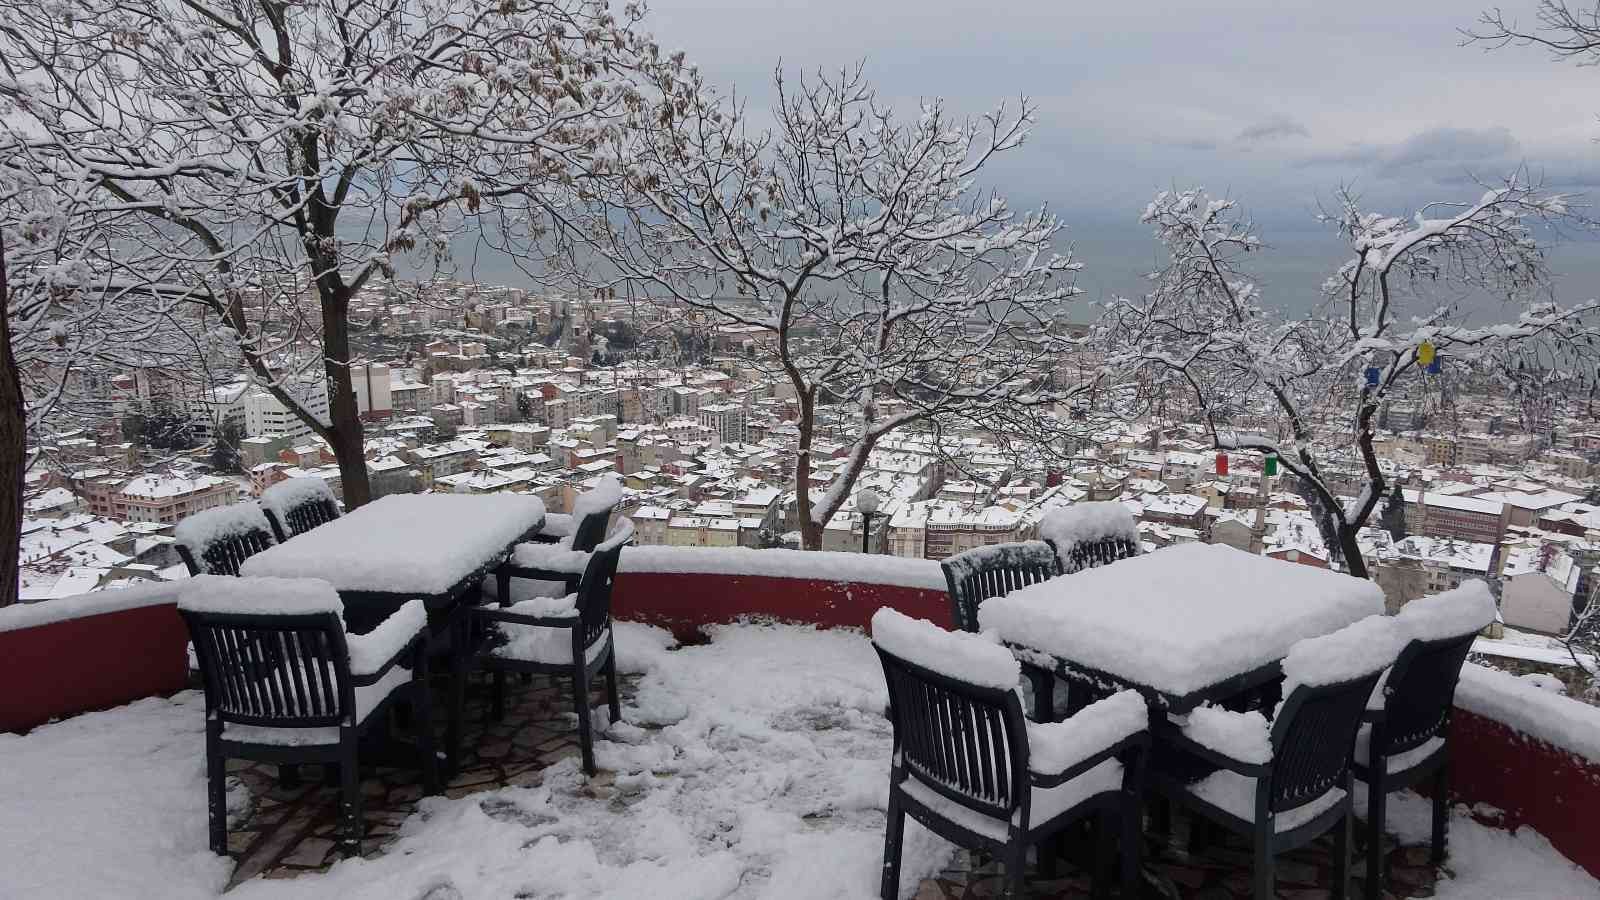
167 499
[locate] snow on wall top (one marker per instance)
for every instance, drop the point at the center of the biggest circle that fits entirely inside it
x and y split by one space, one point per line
1085 522
209 526
974 658
32 615
1466 610
268 596
1562 722
817 565
292 492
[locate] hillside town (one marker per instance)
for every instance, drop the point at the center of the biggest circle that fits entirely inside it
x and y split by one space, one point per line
476 389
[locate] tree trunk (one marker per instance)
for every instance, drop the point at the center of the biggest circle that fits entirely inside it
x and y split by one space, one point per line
1354 562
810 532
345 432
13 449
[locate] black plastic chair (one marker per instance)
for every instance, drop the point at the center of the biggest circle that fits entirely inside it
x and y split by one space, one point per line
296 505
223 551
994 571
1311 739
280 688
1408 732
1080 555
546 636
962 767
1090 535
527 560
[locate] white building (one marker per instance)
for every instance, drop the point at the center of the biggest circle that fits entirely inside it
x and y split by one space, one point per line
728 421
264 415
373 385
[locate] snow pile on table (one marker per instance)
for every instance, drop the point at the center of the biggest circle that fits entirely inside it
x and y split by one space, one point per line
1087 522
817 565
291 493
199 531
1244 736
974 658
265 596
1057 746
368 652
1355 651
1562 722
1465 610
427 543
1183 617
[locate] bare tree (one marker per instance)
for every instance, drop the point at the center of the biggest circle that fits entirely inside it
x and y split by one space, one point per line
855 248
1567 30
273 157
1315 383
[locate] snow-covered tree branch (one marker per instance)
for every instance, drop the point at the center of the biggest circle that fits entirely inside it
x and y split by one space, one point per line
880 278
273 157
1310 386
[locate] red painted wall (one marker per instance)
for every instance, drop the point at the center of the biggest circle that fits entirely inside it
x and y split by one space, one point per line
1533 783
684 602
94 662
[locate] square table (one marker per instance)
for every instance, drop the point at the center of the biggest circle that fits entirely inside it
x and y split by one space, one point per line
433 547
1184 625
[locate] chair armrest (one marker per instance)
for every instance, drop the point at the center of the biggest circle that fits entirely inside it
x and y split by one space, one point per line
540 618
553 559
1055 748
1140 741
373 654
1174 736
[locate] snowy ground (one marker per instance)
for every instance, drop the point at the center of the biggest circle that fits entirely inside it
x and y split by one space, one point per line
761 776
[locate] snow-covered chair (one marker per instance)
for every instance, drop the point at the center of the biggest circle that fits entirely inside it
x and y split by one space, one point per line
218 541
1285 783
1408 716
994 571
284 683
566 636
297 505
971 769
1090 535
548 559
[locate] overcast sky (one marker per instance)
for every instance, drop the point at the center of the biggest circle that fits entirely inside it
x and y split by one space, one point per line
1274 103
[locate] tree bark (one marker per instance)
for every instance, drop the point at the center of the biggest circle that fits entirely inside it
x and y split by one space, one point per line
345 433
13 449
1354 563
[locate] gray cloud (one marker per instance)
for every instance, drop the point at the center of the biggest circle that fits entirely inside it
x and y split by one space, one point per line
1273 128
1439 154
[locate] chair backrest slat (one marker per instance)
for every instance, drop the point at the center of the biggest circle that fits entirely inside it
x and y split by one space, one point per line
1081 555
1312 739
994 571
278 670
962 740
1421 691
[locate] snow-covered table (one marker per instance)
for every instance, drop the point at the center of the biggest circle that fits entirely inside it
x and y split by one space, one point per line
1183 625
405 546
433 547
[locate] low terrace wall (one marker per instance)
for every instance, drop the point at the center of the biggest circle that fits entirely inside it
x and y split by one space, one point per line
1531 755
67 656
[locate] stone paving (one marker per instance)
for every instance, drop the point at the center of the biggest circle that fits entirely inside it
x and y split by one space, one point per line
283 832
